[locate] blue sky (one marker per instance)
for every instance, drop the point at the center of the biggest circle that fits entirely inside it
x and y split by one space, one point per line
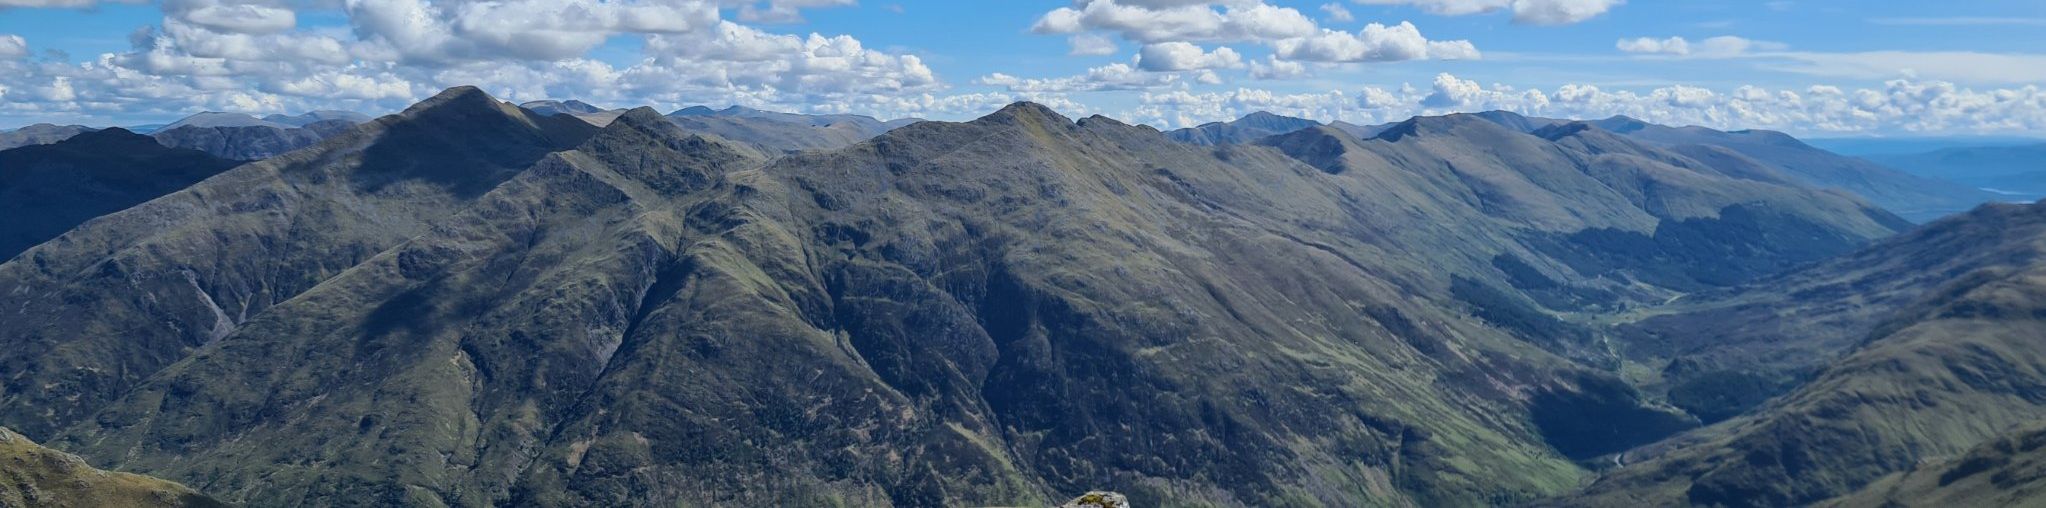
1812 67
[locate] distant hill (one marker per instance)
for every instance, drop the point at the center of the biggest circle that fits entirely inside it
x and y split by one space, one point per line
2019 171
40 134
243 137
1913 197
46 190
1875 147
309 118
1249 128
219 119
771 132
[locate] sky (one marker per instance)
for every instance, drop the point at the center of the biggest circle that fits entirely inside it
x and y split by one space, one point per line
1827 68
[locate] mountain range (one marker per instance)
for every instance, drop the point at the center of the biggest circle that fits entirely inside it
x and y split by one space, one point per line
242 137
2018 171
1921 197
39 134
473 303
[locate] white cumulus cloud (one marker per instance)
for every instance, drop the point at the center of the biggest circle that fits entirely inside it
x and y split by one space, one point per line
1536 12
1375 43
1182 56
12 47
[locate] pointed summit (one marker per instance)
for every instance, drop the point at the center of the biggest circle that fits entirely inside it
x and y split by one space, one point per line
1025 111
457 96
642 117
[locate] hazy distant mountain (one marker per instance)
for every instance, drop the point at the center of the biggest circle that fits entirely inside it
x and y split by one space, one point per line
1916 349
314 117
1872 147
219 119
1361 131
1913 197
40 134
772 132
455 307
591 114
862 122
1519 122
46 190
2019 171
1251 127
38 476
554 107
243 137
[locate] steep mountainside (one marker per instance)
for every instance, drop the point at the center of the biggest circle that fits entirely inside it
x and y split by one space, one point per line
34 476
46 190
1940 329
105 305
1913 197
452 307
1243 130
2008 471
39 134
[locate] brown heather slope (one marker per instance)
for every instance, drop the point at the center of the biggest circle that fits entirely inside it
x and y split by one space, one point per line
1002 311
1939 331
34 476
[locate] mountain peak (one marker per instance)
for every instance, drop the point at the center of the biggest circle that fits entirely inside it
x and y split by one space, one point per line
1420 125
640 118
463 95
1025 110
1622 124
695 111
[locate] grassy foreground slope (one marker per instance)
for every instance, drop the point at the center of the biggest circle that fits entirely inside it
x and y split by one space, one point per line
34 476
